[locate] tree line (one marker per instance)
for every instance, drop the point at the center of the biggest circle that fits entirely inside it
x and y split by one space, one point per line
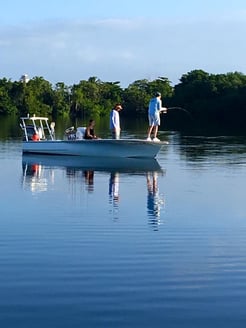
209 99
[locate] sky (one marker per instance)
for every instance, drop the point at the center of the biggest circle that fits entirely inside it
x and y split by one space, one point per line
115 40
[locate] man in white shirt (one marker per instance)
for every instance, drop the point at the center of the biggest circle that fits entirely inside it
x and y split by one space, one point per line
114 122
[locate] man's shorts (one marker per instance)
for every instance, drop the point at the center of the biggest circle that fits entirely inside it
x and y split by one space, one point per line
154 120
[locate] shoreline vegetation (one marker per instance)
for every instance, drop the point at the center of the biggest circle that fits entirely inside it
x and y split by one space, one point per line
208 100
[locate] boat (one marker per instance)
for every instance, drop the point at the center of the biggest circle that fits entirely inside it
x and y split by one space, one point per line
39 138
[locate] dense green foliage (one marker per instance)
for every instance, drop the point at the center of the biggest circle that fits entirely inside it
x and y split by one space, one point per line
215 99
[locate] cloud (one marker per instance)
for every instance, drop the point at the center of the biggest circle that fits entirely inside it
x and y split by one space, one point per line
120 49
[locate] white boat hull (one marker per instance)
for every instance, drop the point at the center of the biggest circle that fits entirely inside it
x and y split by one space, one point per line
122 148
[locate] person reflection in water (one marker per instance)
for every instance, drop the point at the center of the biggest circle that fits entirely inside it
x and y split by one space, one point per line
114 192
153 200
114 186
89 180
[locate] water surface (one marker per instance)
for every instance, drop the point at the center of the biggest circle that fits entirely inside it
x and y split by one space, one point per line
155 245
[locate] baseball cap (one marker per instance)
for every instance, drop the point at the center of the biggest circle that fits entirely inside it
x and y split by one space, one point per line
158 94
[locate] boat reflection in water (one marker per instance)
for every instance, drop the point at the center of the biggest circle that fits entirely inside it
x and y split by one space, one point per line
35 177
95 163
39 173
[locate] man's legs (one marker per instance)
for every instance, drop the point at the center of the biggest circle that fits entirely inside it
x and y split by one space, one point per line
149 131
155 128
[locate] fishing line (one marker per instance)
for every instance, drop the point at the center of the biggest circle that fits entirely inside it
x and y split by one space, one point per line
182 109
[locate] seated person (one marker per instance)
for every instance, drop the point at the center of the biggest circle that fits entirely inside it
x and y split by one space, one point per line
89 132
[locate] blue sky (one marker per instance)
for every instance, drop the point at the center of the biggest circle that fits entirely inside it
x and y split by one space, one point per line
121 40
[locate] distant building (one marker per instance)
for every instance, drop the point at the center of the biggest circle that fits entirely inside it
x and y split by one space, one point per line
24 78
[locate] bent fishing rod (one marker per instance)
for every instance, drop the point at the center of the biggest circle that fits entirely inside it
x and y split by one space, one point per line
182 109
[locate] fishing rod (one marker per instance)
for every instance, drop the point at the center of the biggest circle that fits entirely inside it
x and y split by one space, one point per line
182 109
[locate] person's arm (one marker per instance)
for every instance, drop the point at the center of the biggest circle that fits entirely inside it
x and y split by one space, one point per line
160 108
163 110
112 124
115 121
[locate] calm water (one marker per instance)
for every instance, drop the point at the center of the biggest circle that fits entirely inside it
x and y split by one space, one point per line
155 245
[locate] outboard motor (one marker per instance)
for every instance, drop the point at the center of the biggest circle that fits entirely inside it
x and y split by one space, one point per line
80 133
70 133
52 128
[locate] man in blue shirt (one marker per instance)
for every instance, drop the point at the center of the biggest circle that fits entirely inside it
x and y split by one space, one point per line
155 108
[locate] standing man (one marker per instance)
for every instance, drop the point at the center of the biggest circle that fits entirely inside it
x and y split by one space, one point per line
155 108
114 122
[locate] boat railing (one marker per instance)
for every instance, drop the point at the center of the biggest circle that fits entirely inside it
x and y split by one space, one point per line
38 126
